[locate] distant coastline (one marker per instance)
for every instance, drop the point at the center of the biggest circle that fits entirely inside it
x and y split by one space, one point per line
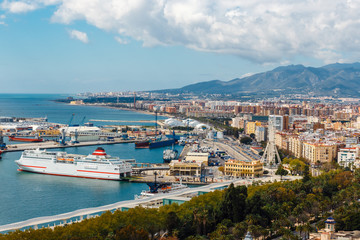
125 109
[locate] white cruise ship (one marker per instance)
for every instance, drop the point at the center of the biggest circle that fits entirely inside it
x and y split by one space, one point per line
97 165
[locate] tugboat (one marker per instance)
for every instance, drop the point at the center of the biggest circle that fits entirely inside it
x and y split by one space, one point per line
156 188
169 154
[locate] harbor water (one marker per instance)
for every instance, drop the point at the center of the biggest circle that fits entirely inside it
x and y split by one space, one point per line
29 195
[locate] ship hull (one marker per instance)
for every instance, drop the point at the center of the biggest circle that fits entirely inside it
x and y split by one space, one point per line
18 139
142 144
163 143
73 169
64 175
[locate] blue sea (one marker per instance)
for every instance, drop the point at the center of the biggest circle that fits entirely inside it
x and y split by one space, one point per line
28 195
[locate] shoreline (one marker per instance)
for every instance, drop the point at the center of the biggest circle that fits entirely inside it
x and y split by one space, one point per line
147 112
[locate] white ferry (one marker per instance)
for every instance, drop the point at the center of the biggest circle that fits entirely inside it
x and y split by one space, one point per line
97 165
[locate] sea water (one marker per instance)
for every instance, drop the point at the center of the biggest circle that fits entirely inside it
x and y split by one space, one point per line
28 195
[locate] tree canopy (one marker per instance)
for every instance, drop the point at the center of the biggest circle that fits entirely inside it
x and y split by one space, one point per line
269 210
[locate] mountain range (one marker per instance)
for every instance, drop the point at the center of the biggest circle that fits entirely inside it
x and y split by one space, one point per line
333 79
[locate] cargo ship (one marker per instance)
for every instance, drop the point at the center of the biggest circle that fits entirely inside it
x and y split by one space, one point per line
164 142
142 144
24 139
97 165
155 143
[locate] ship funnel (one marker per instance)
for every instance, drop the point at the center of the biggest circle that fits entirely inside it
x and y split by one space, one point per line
99 152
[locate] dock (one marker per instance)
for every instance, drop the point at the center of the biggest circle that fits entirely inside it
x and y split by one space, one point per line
79 215
156 201
159 122
185 151
54 144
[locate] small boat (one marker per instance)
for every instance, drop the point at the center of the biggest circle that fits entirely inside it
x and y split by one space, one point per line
24 139
169 154
156 188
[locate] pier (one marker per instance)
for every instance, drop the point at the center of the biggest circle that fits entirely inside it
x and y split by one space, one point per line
156 201
138 168
122 121
159 122
54 144
79 215
185 151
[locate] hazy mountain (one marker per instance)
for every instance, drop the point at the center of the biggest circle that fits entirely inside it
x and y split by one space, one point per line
333 79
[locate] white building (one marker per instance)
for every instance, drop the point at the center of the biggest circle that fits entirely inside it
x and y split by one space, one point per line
276 121
237 122
260 134
347 157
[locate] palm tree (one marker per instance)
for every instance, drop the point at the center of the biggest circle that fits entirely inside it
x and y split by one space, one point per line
300 228
307 229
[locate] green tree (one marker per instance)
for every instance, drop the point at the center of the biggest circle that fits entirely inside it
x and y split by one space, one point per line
306 174
246 140
131 233
233 204
240 229
296 166
172 222
281 171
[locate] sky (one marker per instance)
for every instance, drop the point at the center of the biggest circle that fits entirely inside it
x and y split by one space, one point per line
73 46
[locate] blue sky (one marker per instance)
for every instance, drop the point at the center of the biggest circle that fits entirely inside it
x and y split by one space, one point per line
55 46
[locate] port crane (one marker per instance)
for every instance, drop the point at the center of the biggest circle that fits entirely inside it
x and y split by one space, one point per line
74 137
62 139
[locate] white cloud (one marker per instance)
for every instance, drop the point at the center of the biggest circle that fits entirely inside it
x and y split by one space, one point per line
121 40
24 6
2 22
259 30
247 75
81 36
19 6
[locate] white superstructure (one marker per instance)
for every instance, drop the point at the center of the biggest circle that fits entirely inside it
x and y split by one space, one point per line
97 165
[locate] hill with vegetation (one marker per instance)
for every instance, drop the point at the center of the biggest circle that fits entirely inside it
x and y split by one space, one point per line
278 209
333 80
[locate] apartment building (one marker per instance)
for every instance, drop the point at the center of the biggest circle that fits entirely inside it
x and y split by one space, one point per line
260 134
295 146
242 168
281 140
347 157
321 152
251 127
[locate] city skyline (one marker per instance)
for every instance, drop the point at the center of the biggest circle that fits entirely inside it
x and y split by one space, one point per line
54 46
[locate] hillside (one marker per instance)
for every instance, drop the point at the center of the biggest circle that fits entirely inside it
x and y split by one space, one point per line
334 79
